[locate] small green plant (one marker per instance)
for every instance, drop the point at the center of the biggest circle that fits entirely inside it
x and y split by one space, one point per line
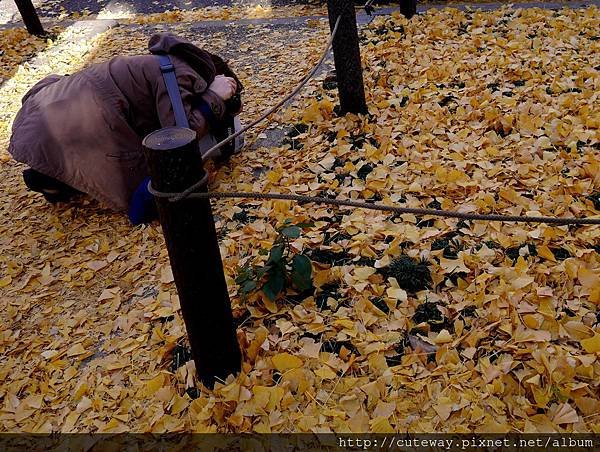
450 244
284 268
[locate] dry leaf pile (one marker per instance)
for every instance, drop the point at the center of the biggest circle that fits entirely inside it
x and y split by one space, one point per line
235 12
488 112
172 14
17 46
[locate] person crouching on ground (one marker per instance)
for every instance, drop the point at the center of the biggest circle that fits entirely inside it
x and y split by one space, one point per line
83 132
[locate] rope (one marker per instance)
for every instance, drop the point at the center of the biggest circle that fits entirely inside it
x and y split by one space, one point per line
369 8
380 207
265 115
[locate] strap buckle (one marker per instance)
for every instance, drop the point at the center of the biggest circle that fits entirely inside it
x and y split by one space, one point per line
164 68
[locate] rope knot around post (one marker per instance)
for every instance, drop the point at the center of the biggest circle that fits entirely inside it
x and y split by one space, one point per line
174 197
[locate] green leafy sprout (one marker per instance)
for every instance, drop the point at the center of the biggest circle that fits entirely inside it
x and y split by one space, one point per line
283 269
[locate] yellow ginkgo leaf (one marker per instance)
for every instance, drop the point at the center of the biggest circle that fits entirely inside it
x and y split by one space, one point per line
565 414
381 425
545 252
155 384
75 350
592 344
286 361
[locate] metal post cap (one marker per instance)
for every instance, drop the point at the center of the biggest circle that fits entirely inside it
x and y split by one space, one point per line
169 138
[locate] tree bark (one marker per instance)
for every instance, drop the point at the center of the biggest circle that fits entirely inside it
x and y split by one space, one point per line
346 55
408 8
30 17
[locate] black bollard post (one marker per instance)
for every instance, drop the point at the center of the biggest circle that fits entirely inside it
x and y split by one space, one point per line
30 17
408 8
346 55
188 226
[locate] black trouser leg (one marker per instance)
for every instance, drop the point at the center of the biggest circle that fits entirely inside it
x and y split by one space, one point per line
52 189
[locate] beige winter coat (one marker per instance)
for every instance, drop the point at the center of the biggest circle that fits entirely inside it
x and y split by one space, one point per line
86 129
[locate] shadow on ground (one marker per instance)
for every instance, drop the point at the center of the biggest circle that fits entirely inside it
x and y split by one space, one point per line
17 46
55 8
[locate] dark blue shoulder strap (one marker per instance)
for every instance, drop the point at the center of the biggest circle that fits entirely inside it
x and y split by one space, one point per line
168 72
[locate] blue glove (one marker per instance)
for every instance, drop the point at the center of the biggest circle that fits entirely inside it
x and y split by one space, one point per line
142 208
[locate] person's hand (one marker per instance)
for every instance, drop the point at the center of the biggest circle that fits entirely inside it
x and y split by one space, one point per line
224 87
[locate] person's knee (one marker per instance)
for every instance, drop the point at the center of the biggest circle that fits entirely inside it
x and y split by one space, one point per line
52 189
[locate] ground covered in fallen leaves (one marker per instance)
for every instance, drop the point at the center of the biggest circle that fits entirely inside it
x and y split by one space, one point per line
17 46
488 112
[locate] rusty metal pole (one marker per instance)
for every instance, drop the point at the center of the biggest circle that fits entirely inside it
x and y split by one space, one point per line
346 55
30 17
189 229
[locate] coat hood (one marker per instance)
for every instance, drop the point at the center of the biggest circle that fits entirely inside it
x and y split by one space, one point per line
200 60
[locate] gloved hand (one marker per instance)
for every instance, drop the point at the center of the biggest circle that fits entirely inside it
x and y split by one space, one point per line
142 207
224 87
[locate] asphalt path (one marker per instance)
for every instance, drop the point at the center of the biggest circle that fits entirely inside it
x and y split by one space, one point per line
55 9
